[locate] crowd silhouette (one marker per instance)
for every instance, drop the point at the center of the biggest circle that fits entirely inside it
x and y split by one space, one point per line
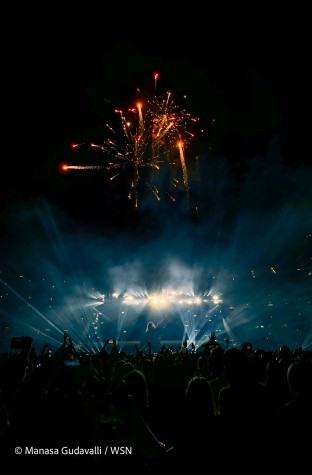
224 407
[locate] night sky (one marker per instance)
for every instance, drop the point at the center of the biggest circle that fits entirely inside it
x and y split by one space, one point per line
244 231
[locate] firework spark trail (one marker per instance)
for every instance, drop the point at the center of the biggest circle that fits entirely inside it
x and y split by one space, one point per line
156 76
148 141
82 167
184 169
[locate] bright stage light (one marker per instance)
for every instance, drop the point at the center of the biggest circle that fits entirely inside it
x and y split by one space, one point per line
216 299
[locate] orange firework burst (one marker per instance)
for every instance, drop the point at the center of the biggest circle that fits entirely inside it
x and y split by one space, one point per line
154 135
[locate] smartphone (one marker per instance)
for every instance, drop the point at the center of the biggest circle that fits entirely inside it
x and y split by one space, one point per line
111 342
74 362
